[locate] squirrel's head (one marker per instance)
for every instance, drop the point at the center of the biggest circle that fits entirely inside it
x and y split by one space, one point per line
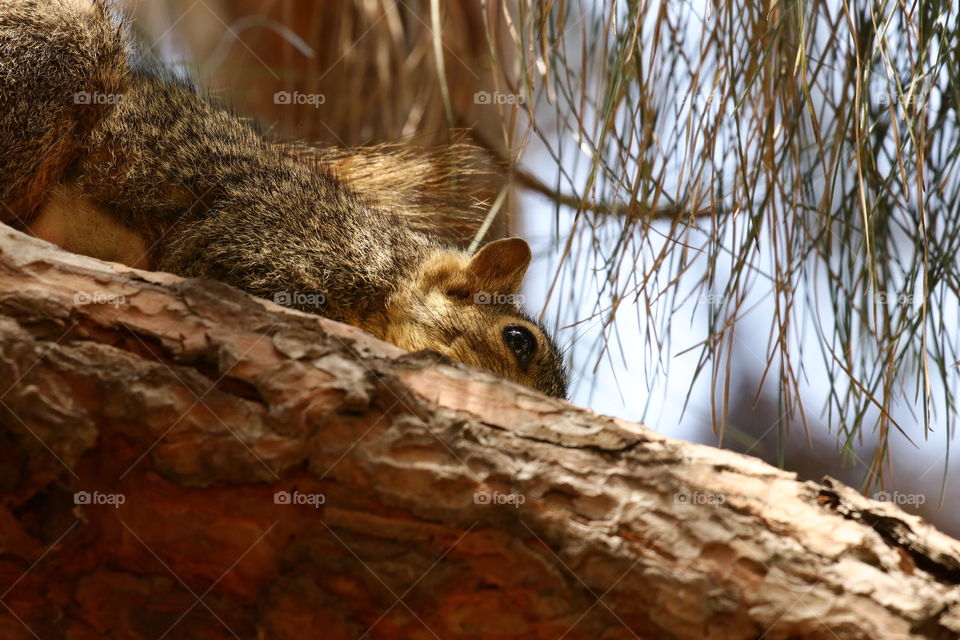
468 309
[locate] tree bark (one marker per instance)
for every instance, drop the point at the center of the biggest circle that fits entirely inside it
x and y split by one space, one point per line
181 460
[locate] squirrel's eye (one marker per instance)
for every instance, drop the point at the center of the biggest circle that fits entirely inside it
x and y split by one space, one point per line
521 341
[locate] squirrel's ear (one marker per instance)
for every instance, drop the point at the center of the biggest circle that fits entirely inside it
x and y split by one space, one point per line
500 265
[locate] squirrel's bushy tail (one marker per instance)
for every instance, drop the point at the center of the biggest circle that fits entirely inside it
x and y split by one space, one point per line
63 65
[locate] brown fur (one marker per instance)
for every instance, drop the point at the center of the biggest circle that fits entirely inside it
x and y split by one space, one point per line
42 121
77 224
425 186
159 166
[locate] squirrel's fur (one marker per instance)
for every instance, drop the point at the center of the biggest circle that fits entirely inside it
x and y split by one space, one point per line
425 186
105 152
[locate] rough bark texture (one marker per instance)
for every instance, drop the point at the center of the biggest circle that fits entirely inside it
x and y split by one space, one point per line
454 505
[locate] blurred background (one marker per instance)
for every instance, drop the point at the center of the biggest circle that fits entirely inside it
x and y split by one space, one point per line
744 214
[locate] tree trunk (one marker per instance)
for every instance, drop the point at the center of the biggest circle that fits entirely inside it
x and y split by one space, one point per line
180 460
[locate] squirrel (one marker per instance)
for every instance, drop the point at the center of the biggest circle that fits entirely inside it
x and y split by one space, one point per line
106 152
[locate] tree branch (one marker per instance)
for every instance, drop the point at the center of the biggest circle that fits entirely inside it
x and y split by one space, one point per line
633 211
422 498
